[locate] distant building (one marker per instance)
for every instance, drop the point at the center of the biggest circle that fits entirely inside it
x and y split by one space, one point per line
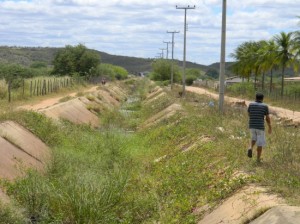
292 79
232 80
143 74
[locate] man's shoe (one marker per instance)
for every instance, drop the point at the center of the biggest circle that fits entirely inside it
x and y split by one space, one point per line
249 153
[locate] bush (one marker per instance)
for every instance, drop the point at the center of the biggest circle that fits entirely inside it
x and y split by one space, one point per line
244 88
190 79
110 71
162 71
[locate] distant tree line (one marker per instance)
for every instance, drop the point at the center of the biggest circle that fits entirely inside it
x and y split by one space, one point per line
161 71
73 61
261 58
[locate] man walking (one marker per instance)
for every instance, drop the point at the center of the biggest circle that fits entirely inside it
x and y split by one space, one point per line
258 111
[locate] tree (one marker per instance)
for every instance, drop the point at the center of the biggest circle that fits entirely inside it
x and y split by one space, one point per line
213 73
162 70
268 58
245 56
284 54
111 71
76 59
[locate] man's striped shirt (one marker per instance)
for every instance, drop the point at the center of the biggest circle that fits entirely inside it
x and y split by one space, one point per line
257 112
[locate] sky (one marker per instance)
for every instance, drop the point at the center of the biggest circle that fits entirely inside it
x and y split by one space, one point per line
139 27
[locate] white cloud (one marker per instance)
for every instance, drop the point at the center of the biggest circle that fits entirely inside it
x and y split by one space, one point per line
138 28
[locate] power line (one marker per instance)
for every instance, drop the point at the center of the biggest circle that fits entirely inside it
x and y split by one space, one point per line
162 52
172 69
167 42
222 60
184 45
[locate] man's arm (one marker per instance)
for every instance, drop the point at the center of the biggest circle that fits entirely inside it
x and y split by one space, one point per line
268 119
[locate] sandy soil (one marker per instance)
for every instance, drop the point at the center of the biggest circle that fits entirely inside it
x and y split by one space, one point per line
279 112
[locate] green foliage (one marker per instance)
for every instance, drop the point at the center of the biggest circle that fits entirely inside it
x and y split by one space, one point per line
121 73
111 71
190 79
38 64
13 71
212 73
244 88
9 216
77 59
162 71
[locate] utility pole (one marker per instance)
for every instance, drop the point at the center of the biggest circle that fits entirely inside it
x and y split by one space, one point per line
167 42
222 60
184 45
172 68
162 52
159 55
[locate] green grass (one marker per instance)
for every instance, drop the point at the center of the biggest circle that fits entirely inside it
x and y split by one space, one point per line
111 175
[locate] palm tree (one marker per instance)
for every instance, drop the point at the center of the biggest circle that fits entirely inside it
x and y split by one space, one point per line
247 55
241 67
297 45
284 54
268 59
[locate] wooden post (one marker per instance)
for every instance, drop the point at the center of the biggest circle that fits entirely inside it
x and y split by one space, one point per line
31 88
34 88
44 87
9 91
41 87
23 83
38 88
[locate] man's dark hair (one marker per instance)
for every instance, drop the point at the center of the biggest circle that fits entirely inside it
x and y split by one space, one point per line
259 96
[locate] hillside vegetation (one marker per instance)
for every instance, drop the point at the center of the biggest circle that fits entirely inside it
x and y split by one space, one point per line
147 165
27 55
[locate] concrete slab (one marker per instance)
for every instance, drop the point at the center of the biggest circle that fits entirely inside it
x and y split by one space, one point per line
155 92
74 111
164 114
106 98
25 140
14 161
280 215
155 98
243 205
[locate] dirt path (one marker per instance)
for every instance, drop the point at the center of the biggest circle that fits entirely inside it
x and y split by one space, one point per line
278 111
51 101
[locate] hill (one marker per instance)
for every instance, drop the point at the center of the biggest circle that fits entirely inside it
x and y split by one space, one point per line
27 55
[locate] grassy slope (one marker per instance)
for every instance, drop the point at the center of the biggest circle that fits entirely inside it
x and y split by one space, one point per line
110 176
